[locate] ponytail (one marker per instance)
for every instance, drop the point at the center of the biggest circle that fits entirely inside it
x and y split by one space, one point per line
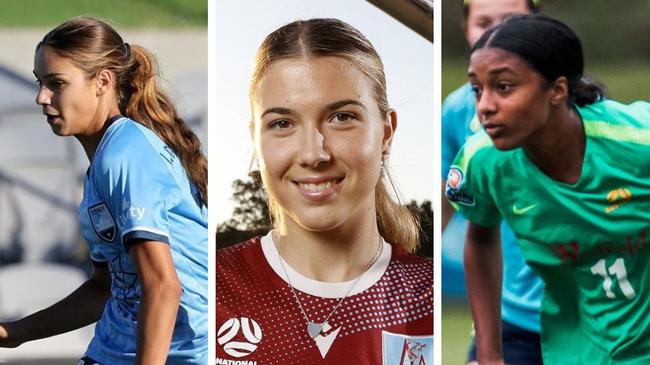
397 223
588 91
141 99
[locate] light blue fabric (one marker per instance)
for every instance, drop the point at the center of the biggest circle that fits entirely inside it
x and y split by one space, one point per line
522 289
136 188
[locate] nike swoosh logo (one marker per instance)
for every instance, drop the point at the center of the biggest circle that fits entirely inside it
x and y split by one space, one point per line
520 211
325 342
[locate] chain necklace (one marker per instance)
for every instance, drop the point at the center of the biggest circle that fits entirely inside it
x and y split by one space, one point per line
313 328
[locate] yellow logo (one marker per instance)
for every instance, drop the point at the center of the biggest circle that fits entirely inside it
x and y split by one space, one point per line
618 197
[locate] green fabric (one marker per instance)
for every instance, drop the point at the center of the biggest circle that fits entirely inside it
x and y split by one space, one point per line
580 236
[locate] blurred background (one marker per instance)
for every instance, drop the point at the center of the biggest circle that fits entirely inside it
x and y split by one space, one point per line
239 205
617 52
42 254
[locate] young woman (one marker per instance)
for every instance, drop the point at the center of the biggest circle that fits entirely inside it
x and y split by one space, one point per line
143 211
522 289
569 172
334 281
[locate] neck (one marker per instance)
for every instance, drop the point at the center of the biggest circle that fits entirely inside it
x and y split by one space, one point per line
558 149
336 255
90 139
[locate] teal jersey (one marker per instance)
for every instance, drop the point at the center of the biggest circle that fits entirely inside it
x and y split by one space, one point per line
588 241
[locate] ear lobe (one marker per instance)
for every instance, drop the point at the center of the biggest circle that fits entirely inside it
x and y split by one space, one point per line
559 91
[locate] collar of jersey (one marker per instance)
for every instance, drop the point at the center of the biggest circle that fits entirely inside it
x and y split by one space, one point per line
320 288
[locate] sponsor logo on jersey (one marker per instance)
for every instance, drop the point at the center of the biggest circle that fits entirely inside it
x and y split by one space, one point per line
616 198
398 349
239 337
102 221
572 252
326 338
522 209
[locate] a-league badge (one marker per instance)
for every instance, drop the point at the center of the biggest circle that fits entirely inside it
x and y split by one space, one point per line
400 349
102 221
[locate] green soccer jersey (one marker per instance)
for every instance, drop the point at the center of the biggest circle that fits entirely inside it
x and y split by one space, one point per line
588 241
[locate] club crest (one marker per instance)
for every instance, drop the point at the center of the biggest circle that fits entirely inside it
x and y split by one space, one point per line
400 349
102 221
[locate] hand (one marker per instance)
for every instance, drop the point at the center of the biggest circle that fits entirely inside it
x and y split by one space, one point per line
6 340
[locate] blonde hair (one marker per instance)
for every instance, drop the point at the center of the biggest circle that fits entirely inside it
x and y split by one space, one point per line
331 37
93 45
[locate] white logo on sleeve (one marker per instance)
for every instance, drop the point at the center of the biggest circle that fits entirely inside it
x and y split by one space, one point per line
238 347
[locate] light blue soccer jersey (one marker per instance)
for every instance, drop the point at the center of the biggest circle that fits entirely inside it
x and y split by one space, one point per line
136 188
522 289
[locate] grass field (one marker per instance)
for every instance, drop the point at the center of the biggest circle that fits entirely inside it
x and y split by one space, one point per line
626 82
456 327
131 13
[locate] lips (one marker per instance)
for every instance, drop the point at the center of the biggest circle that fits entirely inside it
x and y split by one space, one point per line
318 188
493 129
51 117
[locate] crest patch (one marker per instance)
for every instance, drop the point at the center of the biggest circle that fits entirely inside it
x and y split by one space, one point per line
102 221
398 349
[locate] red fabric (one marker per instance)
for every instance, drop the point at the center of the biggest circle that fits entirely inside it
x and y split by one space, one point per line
247 287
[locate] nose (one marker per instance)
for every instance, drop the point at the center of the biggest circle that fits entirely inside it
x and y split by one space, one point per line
485 105
313 150
44 96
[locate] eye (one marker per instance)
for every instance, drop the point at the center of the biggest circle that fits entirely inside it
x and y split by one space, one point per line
280 124
504 87
476 90
342 118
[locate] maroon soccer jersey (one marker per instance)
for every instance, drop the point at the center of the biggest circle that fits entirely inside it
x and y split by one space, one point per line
386 319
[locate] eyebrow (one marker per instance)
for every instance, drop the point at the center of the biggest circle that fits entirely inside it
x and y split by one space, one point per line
48 75
492 72
329 107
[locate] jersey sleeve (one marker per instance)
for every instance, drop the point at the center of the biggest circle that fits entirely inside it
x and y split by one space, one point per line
469 187
139 189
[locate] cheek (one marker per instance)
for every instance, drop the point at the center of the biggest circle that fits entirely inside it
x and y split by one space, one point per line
274 156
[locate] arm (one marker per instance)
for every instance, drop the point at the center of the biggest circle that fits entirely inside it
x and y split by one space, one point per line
161 293
483 277
81 308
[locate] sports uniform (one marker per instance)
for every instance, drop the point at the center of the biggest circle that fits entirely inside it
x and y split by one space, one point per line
522 289
137 189
386 319
588 241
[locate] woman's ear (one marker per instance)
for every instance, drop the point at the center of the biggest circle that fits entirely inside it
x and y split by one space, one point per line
559 91
390 125
105 82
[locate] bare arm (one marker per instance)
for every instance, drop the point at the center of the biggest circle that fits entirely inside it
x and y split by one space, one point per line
483 269
161 293
81 308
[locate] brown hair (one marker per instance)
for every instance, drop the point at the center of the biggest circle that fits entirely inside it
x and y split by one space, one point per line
332 37
93 45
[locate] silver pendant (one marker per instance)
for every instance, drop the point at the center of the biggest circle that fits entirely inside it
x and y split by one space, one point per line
314 329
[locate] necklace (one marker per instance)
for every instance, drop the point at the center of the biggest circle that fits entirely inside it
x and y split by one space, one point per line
314 328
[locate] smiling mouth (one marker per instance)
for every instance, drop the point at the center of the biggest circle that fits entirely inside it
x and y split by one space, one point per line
317 189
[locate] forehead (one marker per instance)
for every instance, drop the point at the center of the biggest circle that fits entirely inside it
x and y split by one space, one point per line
488 61
496 8
47 61
299 81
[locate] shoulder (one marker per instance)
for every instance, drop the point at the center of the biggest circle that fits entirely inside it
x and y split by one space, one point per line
240 255
609 118
415 273
127 142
